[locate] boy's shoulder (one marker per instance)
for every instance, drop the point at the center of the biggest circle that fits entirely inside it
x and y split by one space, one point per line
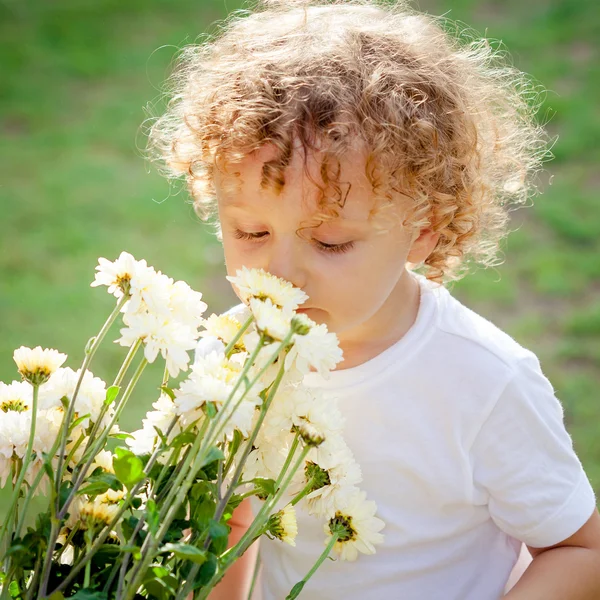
473 334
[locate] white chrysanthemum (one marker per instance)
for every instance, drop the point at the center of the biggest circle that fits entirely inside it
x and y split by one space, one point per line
101 510
90 397
270 319
148 290
186 305
267 459
335 470
117 275
171 338
36 364
104 460
144 440
295 405
224 327
359 528
213 379
16 396
67 555
15 427
283 525
318 349
257 283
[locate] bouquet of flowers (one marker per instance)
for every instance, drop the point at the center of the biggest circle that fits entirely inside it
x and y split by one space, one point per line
145 514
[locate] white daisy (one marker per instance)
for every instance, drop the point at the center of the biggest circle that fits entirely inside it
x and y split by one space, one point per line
117 275
224 327
335 470
171 338
357 526
186 305
36 365
283 525
16 396
104 460
318 349
90 397
271 320
257 283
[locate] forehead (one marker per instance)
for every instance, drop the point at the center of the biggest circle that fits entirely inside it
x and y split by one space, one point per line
239 185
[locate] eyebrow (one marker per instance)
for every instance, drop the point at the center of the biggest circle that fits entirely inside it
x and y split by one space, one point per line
354 223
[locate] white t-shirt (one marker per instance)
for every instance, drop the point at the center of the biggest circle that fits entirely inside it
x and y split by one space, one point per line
462 445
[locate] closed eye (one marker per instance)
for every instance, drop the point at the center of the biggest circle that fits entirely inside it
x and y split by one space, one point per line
321 246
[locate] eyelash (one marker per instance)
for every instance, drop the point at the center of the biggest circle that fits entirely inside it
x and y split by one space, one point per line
327 248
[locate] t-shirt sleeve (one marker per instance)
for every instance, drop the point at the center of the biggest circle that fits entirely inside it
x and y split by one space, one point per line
524 463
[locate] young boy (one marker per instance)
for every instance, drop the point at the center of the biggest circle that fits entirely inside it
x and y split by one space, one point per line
343 146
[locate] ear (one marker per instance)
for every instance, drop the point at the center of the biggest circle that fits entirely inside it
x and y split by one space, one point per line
423 244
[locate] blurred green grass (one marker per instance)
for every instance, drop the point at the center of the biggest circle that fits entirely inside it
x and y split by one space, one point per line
74 186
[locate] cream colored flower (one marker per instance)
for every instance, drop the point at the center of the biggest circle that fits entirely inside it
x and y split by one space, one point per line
16 396
283 525
186 305
102 509
36 365
318 349
117 275
356 525
271 320
171 338
224 327
104 460
62 384
257 283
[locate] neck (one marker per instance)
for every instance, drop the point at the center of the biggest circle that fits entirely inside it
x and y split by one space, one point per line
387 326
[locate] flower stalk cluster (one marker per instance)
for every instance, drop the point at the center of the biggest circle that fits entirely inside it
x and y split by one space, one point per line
146 513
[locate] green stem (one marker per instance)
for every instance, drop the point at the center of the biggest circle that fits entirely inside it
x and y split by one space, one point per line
173 501
28 455
229 348
102 438
36 575
307 489
106 532
256 527
239 468
88 565
295 592
118 380
88 359
32 489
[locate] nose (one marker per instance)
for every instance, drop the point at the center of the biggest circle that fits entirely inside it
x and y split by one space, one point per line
284 259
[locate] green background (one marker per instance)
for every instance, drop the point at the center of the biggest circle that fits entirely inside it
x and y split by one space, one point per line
76 77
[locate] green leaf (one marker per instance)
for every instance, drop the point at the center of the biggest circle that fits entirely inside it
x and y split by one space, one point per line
89 594
266 486
13 589
56 596
78 421
217 530
210 410
152 516
206 572
233 447
111 394
128 467
121 436
295 592
187 437
214 453
168 391
186 552
98 484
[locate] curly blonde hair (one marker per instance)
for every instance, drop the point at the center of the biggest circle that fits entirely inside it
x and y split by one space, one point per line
444 117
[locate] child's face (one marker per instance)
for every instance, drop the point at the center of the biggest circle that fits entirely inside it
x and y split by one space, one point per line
353 273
